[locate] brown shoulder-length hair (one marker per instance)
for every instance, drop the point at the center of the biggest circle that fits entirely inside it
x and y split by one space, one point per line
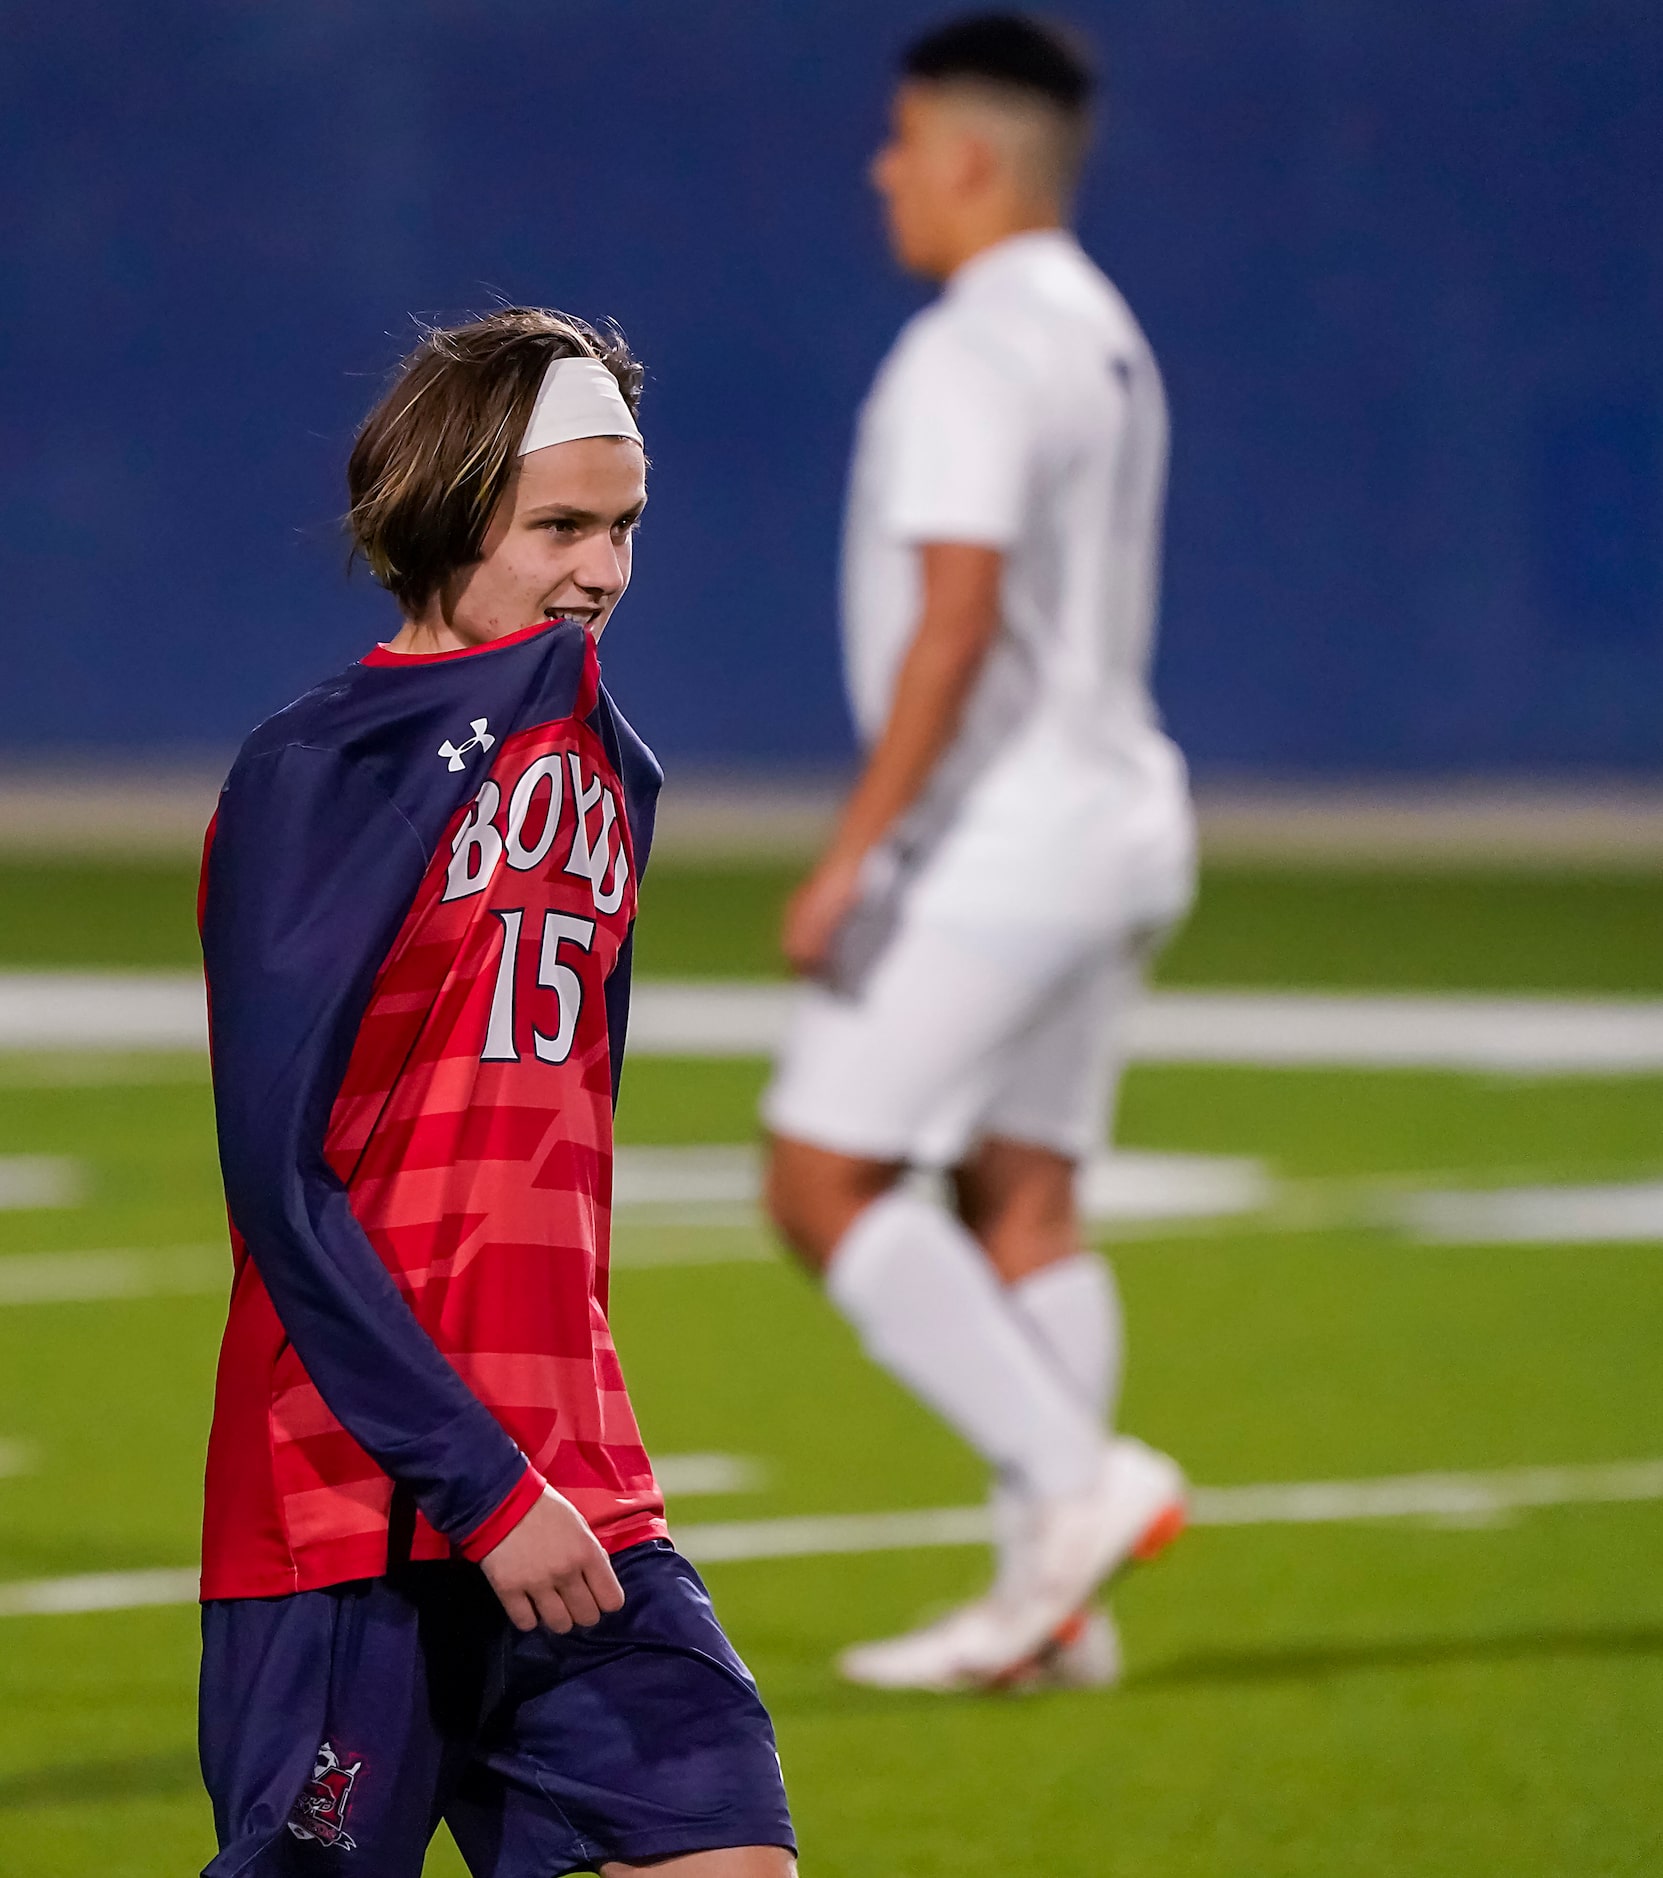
435 456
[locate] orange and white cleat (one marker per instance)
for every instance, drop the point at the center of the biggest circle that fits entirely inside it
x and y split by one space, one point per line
1133 1510
1084 1654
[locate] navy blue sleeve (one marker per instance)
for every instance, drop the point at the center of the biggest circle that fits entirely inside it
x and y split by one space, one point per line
310 876
637 770
617 1010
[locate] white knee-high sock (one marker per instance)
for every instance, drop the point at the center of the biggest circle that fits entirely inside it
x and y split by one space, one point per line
1072 1311
1073 1307
928 1308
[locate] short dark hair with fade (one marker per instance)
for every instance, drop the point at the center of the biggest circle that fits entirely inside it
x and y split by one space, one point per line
437 454
1013 50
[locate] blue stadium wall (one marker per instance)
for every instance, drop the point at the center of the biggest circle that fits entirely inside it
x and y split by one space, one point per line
1402 263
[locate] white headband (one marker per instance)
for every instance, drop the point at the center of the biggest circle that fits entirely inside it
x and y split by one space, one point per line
578 398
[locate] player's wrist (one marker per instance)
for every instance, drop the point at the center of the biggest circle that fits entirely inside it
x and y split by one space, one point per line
525 1494
845 859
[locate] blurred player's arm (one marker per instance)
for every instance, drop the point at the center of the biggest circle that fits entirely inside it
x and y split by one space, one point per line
957 626
306 883
956 486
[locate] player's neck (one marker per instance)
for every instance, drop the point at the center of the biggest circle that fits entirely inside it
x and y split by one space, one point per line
979 232
424 637
441 628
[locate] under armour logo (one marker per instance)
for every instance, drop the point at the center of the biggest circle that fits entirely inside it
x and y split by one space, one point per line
480 740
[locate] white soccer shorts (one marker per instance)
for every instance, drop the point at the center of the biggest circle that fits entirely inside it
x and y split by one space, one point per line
960 1032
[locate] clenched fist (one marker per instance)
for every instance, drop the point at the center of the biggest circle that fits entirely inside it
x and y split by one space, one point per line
552 1570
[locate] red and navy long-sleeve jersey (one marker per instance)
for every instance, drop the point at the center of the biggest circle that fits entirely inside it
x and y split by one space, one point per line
417 901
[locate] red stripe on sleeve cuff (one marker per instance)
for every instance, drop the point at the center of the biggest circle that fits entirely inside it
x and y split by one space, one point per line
527 1491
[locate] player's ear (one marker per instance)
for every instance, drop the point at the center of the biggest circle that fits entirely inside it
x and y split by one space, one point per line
976 161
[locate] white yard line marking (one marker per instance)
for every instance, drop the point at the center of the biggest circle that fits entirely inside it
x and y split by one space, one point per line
1596 1215
733 1017
97 1591
724 1236
1525 1036
103 1011
721 1185
705 1176
87 1277
1297 1503
685 1476
1461 1497
194 1271
716 1542
1428 1496
1126 1185
1131 1190
28 1181
107 1012
191 1270
1538 1036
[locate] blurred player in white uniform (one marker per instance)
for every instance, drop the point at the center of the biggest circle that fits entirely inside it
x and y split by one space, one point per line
1018 841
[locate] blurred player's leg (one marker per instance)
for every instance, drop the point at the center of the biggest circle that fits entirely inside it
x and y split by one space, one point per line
1019 1200
908 1070
1017 1190
1073 1308
898 1075
930 1310
927 1306
1059 1087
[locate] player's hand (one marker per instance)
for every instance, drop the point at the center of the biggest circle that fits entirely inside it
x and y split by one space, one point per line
552 1570
815 912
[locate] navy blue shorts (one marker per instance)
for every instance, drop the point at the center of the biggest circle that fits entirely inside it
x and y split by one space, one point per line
359 1717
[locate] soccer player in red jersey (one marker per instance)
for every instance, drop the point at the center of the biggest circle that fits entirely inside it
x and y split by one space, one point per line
437 1583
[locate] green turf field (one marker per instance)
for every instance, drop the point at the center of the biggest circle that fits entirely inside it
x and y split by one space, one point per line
1465 1696
1365 928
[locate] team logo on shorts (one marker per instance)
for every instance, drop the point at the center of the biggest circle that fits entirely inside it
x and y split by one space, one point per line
320 1812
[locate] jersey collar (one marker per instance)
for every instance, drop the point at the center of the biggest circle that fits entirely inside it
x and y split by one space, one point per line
1011 259
385 656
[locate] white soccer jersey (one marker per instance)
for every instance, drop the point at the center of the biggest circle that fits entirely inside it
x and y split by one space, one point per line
1023 410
